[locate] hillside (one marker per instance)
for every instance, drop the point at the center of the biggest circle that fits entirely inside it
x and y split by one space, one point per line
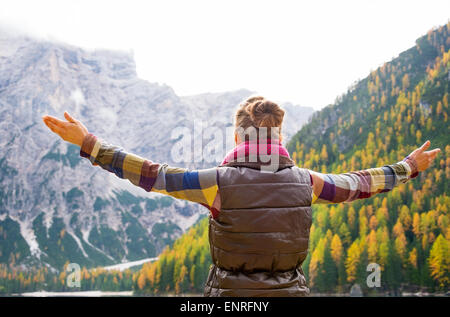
378 121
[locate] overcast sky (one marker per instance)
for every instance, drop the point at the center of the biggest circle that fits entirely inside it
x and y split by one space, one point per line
306 52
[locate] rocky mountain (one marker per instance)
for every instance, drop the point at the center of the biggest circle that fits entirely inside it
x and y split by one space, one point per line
54 206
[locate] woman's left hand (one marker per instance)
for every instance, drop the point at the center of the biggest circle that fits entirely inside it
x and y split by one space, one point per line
424 158
72 130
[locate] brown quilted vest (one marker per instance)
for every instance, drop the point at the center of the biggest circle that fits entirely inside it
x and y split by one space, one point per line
259 240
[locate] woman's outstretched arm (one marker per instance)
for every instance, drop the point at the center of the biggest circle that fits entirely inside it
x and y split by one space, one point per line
346 187
199 186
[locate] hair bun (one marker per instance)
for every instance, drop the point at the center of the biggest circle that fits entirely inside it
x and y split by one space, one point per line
265 113
256 112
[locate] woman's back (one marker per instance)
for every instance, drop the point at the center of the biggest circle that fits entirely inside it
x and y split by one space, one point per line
259 239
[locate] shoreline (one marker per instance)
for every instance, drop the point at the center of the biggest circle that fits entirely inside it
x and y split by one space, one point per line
130 294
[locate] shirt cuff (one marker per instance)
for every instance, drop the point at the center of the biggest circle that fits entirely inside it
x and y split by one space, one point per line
89 147
413 166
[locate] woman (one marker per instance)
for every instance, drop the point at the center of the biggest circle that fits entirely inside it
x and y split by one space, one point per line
259 221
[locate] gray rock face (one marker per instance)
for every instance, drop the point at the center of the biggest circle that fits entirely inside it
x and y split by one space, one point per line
356 291
55 206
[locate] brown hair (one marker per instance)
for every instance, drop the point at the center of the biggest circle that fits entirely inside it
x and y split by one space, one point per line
259 112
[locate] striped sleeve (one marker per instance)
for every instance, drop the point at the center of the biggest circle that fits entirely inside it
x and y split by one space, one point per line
199 186
346 187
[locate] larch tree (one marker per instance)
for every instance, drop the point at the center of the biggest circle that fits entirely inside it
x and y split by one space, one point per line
352 261
439 261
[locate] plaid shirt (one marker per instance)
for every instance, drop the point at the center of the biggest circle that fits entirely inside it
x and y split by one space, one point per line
201 186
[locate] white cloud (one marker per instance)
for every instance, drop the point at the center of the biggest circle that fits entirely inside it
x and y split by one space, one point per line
304 52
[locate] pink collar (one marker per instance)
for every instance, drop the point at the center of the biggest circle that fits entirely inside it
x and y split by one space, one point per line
247 148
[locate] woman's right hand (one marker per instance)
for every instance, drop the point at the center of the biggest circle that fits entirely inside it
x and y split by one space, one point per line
72 130
424 158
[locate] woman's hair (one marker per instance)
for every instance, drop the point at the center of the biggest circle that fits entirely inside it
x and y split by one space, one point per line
258 112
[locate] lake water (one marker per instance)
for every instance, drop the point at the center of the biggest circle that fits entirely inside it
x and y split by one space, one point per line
130 293
75 294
